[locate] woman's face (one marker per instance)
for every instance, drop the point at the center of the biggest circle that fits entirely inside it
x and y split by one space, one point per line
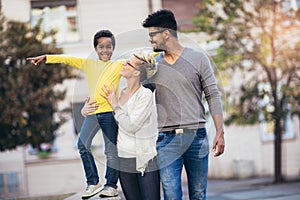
104 48
131 67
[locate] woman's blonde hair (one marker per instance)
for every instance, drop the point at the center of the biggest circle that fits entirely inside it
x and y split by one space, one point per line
148 65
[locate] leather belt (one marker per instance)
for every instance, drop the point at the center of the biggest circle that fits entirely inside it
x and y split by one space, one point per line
181 131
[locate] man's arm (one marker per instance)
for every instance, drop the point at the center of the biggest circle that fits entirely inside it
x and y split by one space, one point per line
213 97
219 141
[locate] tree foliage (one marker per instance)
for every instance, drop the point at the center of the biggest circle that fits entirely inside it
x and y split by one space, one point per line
28 100
260 41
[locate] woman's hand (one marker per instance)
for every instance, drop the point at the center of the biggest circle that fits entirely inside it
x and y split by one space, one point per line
36 60
110 95
89 107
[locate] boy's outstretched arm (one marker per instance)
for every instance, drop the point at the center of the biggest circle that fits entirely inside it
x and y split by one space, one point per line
36 60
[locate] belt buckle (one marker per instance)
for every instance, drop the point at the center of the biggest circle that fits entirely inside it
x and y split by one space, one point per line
179 131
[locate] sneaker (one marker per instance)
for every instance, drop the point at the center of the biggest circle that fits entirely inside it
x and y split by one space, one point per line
91 190
108 191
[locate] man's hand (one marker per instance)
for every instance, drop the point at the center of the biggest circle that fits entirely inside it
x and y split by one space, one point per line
89 107
219 144
36 60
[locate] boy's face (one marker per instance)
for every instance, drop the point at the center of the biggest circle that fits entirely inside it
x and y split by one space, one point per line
104 48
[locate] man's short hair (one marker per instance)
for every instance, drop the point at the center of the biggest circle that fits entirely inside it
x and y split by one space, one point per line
104 33
162 18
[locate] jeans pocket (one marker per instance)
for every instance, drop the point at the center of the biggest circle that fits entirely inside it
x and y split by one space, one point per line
201 133
160 137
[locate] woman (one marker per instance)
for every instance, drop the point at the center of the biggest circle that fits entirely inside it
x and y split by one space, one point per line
135 113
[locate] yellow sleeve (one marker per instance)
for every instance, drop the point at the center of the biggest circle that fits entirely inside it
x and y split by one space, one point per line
73 61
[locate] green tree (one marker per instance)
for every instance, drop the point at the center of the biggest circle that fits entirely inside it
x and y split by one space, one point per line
28 100
259 39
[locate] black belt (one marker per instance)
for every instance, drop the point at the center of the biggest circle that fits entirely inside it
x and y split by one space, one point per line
181 131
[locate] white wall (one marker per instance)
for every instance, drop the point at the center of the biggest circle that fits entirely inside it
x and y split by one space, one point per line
118 16
244 143
16 10
13 162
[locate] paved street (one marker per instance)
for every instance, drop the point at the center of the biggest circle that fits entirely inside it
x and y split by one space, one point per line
257 188
244 189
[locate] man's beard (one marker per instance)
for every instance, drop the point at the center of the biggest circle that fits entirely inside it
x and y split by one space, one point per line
158 50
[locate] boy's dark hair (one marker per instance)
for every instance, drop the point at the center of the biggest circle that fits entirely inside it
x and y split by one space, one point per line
162 19
104 33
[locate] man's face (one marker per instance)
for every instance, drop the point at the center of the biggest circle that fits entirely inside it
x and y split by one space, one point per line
157 39
104 48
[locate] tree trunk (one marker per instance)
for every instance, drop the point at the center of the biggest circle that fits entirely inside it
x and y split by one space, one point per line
277 144
150 6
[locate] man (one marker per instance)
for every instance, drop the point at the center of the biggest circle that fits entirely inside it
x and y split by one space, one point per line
98 73
183 76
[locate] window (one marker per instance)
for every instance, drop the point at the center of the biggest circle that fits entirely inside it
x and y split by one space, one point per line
12 182
1 183
9 183
60 16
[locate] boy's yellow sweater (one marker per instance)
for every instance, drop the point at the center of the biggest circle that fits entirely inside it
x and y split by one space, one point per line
98 73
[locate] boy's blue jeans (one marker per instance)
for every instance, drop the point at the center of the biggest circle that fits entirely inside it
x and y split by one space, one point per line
190 149
90 126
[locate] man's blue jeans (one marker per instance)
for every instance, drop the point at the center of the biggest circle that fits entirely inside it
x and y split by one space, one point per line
90 126
189 149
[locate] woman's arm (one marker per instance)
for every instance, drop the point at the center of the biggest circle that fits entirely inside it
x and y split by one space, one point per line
89 107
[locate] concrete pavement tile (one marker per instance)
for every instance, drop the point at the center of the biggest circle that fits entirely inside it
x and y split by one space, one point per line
254 194
293 197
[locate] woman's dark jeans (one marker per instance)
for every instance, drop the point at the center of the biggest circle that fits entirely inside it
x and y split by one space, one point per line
137 186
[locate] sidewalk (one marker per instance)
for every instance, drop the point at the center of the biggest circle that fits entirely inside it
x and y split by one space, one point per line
239 189
255 188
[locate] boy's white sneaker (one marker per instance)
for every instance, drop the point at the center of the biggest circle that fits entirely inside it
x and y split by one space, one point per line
108 191
91 190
